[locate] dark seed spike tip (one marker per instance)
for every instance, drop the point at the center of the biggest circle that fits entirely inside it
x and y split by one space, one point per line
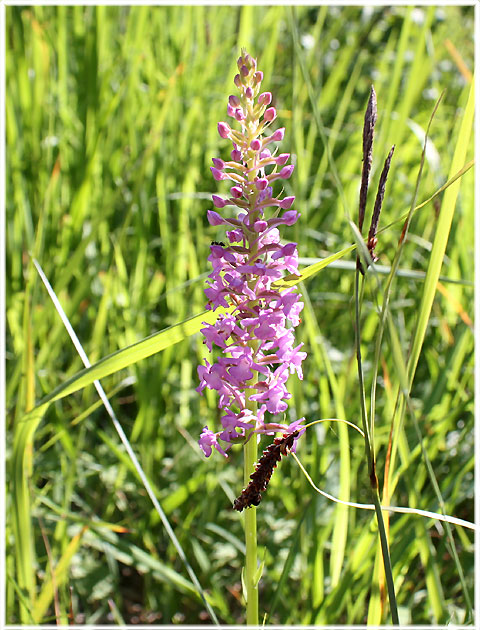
372 240
368 131
370 120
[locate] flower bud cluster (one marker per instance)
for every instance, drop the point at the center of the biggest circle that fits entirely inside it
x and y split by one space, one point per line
256 339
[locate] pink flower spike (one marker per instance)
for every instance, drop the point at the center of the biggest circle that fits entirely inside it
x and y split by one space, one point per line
218 201
220 164
270 114
261 184
265 98
218 175
286 171
236 191
245 270
214 218
282 159
223 129
286 203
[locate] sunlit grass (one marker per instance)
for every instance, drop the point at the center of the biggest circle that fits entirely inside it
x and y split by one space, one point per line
111 119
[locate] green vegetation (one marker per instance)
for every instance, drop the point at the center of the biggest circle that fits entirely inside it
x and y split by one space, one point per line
111 120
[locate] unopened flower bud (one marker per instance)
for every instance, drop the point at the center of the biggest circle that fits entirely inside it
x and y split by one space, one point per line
244 71
278 135
239 115
218 201
270 114
234 100
286 171
249 92
286 202
237 80
236 155
258 77
282 159
236 192
218 175
261 184
265 98
223 129
255 145
220 164
214 218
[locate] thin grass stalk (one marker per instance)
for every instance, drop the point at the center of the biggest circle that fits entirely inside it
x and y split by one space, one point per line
433 273
370 455
387 292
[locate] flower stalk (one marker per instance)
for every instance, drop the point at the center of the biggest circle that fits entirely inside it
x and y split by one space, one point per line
250 524
256 344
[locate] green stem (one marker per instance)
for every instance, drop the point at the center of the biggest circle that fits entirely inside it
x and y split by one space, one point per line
386 558
250 575
370 454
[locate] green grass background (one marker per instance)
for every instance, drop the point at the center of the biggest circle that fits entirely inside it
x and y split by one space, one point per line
111 119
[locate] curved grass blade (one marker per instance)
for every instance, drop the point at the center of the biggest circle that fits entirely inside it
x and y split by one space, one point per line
124 358
441 236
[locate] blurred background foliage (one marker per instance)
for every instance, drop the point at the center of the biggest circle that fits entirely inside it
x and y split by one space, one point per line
111 120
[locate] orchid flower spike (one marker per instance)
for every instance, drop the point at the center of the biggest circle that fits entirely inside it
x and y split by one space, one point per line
256 341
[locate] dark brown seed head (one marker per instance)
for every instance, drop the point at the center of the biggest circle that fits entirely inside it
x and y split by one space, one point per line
372 240
251 495
368 131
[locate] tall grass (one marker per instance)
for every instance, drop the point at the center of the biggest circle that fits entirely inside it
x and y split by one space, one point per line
111 119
